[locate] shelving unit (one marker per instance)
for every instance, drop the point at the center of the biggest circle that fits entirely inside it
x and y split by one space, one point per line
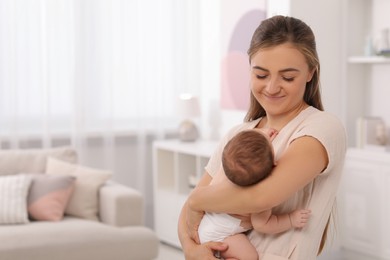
177 166
363 202
356 27
368 60
364 77
363 198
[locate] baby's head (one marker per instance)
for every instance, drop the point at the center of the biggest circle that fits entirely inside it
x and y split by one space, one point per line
249 157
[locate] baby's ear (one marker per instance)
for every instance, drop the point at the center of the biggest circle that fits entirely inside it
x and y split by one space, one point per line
275 163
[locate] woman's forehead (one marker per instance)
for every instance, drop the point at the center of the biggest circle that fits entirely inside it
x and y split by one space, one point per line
280 57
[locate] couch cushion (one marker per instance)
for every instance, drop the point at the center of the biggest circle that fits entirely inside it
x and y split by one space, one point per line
32 160
84 201
13 199
76 239
49 195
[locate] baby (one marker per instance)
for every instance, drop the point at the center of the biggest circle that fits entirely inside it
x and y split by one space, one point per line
247 159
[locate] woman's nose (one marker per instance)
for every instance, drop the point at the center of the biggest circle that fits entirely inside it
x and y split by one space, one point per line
273 86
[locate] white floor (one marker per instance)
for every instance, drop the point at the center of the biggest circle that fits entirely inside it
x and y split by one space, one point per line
169 252
172 253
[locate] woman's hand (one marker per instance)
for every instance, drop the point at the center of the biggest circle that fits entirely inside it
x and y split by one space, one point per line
205 251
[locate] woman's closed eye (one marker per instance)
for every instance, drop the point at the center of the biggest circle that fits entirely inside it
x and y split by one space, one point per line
285 78
261 76
288 79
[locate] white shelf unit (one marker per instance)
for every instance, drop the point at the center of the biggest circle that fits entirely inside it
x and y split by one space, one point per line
176 166
365 78
364 203
364 195
368 60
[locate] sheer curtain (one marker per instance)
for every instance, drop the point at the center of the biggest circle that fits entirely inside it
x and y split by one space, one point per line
100 75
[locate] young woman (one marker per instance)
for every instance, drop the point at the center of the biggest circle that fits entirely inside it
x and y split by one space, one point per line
310 149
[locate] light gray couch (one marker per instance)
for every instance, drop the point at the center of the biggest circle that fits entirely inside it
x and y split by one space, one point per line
118 235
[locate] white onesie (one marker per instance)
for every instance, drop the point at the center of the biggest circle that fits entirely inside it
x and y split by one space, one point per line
218 226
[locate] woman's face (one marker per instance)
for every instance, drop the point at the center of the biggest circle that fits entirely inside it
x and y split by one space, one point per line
278 79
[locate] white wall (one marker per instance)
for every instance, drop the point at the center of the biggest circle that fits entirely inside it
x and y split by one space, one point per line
325 19
213 118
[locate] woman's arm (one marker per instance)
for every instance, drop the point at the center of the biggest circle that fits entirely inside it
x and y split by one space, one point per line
188 232
304 159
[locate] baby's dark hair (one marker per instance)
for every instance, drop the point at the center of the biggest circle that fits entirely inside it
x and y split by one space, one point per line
248 158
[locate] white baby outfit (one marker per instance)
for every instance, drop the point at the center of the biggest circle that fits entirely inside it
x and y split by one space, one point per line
216 227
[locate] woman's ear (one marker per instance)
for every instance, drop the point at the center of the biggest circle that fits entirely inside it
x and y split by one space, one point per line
310 76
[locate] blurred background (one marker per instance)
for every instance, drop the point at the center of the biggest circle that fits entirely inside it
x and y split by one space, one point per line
105 76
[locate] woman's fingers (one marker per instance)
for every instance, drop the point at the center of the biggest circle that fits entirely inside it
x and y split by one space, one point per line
206 251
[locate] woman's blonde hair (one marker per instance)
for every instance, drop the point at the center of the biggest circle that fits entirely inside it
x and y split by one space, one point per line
283 29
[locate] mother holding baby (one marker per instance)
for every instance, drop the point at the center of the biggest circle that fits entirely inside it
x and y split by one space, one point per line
309 148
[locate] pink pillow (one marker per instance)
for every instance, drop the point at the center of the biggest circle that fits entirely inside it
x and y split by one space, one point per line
49 196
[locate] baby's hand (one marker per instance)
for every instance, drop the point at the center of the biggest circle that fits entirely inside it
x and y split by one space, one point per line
299 217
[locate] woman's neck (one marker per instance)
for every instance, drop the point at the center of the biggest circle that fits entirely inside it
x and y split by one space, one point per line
280 120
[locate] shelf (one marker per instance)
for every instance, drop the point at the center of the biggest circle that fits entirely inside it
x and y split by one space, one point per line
364 208
177 166
377 154
368 59
165 160
199 148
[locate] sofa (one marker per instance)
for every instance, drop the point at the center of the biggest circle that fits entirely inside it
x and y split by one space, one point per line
49 228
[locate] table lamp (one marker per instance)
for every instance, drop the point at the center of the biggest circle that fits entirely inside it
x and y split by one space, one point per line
188 109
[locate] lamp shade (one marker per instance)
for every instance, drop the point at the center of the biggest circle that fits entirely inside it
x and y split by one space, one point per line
188 106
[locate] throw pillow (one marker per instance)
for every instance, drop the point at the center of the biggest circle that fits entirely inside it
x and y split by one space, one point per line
13 198
49 195
15 161
84 202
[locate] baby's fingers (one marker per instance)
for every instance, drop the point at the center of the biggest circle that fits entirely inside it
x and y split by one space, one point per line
306 211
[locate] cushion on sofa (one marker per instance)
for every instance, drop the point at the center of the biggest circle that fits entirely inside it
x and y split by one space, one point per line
49 195
85 198
13 199
15 161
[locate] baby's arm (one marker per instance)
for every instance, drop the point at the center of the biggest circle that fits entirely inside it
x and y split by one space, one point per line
265 222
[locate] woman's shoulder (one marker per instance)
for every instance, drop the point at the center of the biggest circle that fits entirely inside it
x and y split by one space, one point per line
327 128
321 125
312 121
323 119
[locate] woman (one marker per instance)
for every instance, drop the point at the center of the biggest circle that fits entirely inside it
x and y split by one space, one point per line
310 148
